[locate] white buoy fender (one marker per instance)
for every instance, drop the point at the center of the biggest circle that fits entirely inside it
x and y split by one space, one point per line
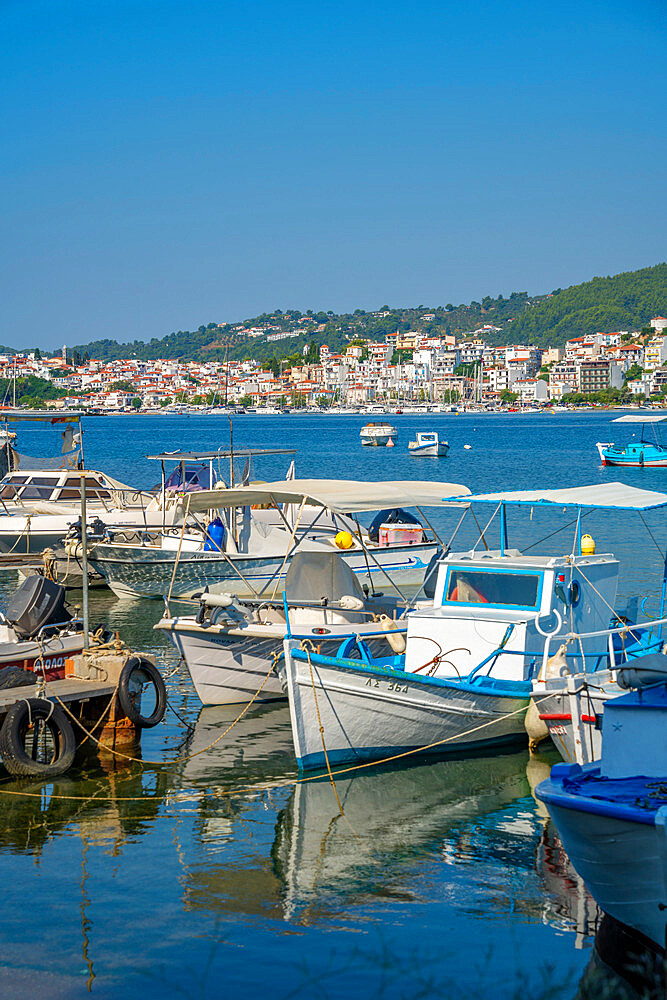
395 639
467 447
535 727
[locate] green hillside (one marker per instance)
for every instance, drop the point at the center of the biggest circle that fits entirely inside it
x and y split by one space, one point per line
623 302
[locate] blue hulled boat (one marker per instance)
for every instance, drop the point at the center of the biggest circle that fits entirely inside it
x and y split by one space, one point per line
611 816
636 454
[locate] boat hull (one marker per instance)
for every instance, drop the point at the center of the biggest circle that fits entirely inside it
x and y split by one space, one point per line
142 571
430 450
623 863
229 667
554 711
634 456
27 654
369 715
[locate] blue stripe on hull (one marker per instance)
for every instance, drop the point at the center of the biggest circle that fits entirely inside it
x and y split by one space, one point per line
316 761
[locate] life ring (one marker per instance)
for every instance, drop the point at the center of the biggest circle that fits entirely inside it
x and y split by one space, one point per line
354 648
30 719
555 631
138 672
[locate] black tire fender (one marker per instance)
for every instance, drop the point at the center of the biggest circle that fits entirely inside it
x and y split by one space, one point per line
13 732
138 670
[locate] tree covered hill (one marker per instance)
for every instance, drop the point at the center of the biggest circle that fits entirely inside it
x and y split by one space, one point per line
623 302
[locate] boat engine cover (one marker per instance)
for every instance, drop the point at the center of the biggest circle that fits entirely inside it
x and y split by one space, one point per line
36 603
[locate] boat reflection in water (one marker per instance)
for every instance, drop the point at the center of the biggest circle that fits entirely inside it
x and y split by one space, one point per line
390 817
624 966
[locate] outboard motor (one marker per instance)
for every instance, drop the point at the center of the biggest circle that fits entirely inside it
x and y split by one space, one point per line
36 603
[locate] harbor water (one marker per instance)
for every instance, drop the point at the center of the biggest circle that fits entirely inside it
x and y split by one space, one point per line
210 871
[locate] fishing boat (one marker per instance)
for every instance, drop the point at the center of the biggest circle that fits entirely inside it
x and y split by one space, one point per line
249 534
229 644
378 434
427 443
465 678
612 816
640 453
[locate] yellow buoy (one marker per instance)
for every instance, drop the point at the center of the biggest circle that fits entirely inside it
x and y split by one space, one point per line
344 540
588 545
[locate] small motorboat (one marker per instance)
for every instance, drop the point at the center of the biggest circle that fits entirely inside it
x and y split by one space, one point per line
229 644
37 633
636 454
378 434
428 444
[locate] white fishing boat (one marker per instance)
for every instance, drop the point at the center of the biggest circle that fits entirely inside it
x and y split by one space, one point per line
466 675
230 643
378 434
258 529
428 443
612 816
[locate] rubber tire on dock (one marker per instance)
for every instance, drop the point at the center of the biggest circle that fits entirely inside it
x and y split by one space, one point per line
135 666
12 735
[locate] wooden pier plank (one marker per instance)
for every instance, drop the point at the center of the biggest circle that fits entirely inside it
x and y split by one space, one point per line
69 689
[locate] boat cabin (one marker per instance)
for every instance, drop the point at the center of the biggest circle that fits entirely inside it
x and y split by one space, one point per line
56 486
495 609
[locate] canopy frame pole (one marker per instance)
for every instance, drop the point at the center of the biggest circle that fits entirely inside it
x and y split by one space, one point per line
503 530
445 550
486 527
363 548
433 531
84 563
81 459
383 570
663 595
289 547
163 490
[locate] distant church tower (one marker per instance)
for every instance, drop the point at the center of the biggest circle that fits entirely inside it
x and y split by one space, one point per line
64 354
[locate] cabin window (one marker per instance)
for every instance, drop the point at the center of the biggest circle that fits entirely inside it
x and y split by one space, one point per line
72 489
39 488
11 487
475 586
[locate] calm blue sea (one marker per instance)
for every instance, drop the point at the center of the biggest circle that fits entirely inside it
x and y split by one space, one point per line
219 876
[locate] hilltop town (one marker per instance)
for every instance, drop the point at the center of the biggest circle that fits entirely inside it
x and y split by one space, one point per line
403 368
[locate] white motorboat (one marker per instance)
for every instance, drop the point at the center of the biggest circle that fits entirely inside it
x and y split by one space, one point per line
229 645
466 675
428 443
38 507
378 434
251 553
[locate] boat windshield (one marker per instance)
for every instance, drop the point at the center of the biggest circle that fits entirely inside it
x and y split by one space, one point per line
482 586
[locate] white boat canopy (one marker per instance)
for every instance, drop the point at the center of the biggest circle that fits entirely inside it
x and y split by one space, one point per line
640 418
341 496
610 496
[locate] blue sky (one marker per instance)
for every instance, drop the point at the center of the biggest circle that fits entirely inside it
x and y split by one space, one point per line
167 164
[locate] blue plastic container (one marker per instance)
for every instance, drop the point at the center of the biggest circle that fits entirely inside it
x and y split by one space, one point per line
215 536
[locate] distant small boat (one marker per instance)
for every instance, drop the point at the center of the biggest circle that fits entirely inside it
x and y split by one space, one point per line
637 454
429 444
378 434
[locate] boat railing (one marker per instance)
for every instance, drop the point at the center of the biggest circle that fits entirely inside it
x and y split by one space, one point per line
625 628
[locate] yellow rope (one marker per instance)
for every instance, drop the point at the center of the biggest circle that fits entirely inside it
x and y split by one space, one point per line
304 645
229 793
177 760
